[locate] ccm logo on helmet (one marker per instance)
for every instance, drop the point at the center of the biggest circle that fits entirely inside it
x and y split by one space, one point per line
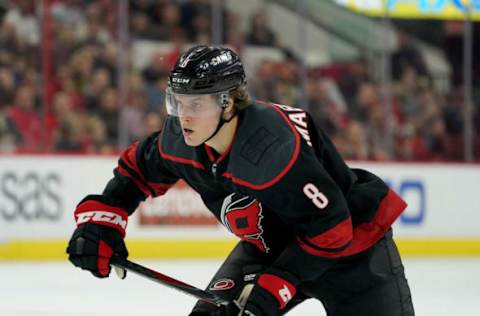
101 216
222 284
181 80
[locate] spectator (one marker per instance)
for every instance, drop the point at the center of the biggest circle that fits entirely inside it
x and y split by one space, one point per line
64 43
260 34
66 84
26 119
141 6
264 81
153 123
81 65
106 57
355 76
179 43
169 20
9 134
96 137
133 116
232 33
366 99
8 38
190 10
22 17
96 30
356 138
407 56
7 87
108 113
141 27
155 95
69 135
409 145
100 82
155 69
377 138
327 109
348 104
202 29
64 124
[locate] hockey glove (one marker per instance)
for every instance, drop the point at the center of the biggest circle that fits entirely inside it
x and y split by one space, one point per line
99 236
232 309
269 296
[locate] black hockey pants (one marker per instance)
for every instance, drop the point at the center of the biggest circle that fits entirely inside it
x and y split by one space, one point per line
371 283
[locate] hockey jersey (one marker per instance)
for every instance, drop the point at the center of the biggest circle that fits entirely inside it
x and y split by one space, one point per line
281 186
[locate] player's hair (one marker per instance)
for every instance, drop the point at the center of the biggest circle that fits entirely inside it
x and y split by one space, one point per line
241 98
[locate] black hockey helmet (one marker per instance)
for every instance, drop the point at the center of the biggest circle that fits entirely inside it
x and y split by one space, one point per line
206 70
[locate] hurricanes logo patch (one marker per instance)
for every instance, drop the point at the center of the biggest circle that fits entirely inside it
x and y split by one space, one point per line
222 285
242 215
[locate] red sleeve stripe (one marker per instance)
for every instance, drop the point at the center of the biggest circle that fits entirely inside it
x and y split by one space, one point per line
128 166
181 160
147 187
146 190
159 188
130 158
367 234
306 244
335 239
186 161
281 289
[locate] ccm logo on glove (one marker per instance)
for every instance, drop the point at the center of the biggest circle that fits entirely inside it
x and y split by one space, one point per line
101 216
89 212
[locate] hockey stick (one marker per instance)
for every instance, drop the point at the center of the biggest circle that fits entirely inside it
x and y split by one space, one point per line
168 281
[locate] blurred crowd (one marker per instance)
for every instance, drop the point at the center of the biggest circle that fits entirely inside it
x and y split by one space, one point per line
83 112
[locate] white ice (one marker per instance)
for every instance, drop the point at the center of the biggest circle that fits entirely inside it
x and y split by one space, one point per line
440 287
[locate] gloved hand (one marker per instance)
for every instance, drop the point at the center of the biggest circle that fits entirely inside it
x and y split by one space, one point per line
267 297
99 236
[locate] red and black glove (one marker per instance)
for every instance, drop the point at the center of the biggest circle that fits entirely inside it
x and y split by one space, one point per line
268 297
99 236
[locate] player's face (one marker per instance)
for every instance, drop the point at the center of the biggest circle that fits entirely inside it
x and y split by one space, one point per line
199 116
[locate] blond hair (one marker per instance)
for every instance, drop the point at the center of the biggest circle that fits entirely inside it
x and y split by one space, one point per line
241 98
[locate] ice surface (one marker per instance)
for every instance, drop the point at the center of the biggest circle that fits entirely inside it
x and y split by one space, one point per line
440 287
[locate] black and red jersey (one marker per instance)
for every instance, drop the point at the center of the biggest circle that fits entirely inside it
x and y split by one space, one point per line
281 186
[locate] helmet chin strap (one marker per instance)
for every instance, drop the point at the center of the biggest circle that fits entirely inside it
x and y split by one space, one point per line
220 124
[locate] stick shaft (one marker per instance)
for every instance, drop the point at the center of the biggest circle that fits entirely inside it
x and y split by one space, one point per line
167 281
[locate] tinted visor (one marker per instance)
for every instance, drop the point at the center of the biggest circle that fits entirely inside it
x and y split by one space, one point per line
195 105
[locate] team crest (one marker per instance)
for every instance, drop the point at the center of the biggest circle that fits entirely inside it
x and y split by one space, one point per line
242 215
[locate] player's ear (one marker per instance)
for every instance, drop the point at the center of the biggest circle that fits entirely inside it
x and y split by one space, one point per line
230 109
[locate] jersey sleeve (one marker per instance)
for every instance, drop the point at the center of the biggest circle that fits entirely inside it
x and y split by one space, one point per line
140 173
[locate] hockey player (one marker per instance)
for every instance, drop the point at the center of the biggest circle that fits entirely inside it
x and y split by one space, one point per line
309 226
